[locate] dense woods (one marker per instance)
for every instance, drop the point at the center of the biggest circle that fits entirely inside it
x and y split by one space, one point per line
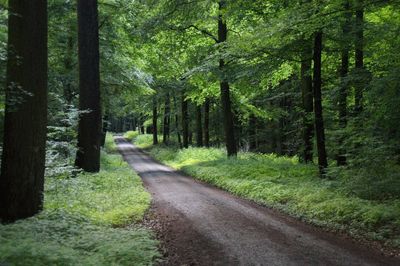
311 79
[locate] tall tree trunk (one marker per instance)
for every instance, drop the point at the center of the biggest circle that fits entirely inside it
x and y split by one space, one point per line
307 97
178 132
359 57
207 122
167 119
105 129
224 86
23 158
319 121
89 130
343 90
185 121
199 128
155 118
253 133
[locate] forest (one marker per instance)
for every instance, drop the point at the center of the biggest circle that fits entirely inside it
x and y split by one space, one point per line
292 105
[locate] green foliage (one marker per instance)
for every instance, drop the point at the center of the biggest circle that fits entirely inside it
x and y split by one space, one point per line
109 145
144 141
85 222
131 135
284 183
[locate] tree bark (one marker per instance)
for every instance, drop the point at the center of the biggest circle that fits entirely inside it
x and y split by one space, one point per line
199 128
307 97
89 130
185 121
253 133
319 121
25 121
207 122
167 119
343 89
224 87
155 118
105 129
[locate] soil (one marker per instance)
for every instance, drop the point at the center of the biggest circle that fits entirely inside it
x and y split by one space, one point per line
198 224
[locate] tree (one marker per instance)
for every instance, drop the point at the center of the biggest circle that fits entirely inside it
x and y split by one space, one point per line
89 129
319 121
224 86
23 158
155 118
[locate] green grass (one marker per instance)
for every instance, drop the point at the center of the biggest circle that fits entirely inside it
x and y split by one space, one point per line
87 220
109 145
285 184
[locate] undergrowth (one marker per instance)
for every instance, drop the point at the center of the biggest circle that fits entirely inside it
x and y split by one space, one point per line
286 184
130 135
87 220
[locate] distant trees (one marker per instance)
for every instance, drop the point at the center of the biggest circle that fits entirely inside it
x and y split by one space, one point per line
23 158
90 121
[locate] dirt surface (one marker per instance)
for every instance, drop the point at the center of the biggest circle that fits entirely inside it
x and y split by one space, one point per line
202 225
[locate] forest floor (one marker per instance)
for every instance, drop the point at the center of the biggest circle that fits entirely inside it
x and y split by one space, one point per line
201 225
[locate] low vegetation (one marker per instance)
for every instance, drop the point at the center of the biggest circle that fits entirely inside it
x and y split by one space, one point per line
285 184
87 220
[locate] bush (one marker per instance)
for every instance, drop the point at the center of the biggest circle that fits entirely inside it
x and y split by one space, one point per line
85 222
131 135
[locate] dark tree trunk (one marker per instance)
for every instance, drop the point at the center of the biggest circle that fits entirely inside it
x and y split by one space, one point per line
178 132
89 130
185 122
359 57
225 89
343 90
199 128
105 129
319 121
155 118
167 119
207 123
253 133
307 97
23 159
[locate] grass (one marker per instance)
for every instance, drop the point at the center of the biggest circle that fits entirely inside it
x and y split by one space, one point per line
286 184
87 220
109 145
130 135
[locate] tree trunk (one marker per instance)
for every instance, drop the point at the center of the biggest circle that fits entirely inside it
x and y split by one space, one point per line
207 122
359 57
199 128
185 122
253 133
319 121
178 133
105 129
23 159
343 90
155 118
307 97
89 130
225 89
167 110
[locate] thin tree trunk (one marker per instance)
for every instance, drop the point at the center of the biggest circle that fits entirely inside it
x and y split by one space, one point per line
307 96
105 129
343 90
359 56
155 118
253 133
199 128
319 121
185 121
178 133
207 122
167 110
23 158
225 89
89 130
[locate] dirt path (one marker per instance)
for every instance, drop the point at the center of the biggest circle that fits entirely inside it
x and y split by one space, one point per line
202 225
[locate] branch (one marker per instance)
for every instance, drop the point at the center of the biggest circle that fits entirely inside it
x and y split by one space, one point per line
203 31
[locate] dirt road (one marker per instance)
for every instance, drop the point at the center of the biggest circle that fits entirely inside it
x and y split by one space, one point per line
201 225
